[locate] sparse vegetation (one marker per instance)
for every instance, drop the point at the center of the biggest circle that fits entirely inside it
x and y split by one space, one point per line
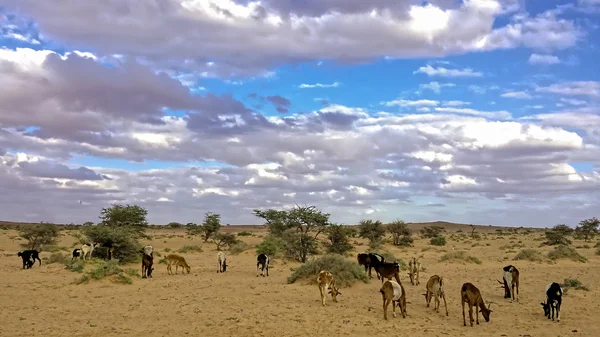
429 232
58 258
374 231
190 248
106 269
438 241
558 235
345 272
338 236
529 255
244 233
573 284
460 256
239 247
566 252
401 235
39 236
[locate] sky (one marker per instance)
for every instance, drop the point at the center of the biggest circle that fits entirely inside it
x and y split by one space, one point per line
472 111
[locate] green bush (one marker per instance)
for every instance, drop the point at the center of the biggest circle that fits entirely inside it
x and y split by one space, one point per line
338 236
438 241
529 255
344 271
75 266
188 248
460 256
272 245
106 269
122 238
573 283
566 252
39 236
244 234
58 258
239 247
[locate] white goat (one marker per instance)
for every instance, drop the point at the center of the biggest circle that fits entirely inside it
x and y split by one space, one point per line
222 259
88 249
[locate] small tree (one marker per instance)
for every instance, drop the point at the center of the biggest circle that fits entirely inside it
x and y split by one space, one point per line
224 240
431 231
128 215
373 231
174 225
338 240
211 225
39 235
401 235
587 229
558 235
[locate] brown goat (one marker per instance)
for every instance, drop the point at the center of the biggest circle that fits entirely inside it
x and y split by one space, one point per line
414 268
327 286
434 289
389 270
510 277
393 292
471 295
147 262
178 261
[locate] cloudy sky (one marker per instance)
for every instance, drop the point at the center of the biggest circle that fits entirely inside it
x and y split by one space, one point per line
474 111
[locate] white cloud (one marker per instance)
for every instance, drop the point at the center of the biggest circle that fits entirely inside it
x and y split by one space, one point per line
575 88
538 59
319 85
409 103
444 72
455 103
516 94
436 86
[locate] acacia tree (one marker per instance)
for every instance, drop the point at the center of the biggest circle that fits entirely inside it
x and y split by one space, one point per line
298 227
401 235
373 231
224 240
132 216
211 225
587 229
558 235
39 235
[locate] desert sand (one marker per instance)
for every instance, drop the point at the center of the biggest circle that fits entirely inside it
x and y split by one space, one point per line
44 301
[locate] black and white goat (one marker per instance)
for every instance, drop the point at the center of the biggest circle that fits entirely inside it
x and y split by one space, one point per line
29 257
510 276
553 300
263 261
76 253
370 261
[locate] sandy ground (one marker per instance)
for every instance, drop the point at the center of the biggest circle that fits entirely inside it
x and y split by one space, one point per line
43 301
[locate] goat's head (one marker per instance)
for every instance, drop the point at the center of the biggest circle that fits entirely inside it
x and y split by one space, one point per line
20 254
486 312
188 268
546 307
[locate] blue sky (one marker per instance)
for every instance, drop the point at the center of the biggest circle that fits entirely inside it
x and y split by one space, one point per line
481 111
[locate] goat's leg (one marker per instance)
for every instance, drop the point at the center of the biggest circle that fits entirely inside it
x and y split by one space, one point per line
394 308
517 286
323 295
386 303
427 298
268 270
445 305
463 310
477 315
471 314
176 268
557 312
437 303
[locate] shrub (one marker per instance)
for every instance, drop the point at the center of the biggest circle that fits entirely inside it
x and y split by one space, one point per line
587 229
431 231
566 252
239 247
529 255
188 248
224 240
58 258
298 246
174 225
558 235
401 235
438 241
371 230
244 234
55 248
75 266
338 240
106 269
344 271
460 256
272 246
122 238
573 283
38 236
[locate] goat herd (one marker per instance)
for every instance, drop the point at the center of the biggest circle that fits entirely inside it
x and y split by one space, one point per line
392 291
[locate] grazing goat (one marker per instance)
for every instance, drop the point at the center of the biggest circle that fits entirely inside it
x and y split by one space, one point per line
178 261
87 249
222 259
471 295
510 276
76 253
370 261
434 289
29 257
389 270
263 261
326 284
553 300
393 292
414 268
147 262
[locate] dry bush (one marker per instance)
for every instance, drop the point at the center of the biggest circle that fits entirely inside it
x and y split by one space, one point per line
566 252
529 255
574 284
239 248
459 256
188 248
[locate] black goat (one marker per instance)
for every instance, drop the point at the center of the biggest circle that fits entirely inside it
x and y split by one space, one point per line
263 261
370 261
553 300
147 262
29 257
389 270
76 253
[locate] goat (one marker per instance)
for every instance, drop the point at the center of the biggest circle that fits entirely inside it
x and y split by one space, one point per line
222 259
393 292
178 261
29 257
553 300
471 295
389 270
76 253
87 249
510 276
370 261
263 261
148 250
147 262
326 284
414 268
434 289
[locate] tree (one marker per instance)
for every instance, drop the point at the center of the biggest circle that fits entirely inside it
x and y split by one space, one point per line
371 230
39 235
128 215
338 239
174 225
224 240
211 225
558 235
431 231
298 227
401 235
587 229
